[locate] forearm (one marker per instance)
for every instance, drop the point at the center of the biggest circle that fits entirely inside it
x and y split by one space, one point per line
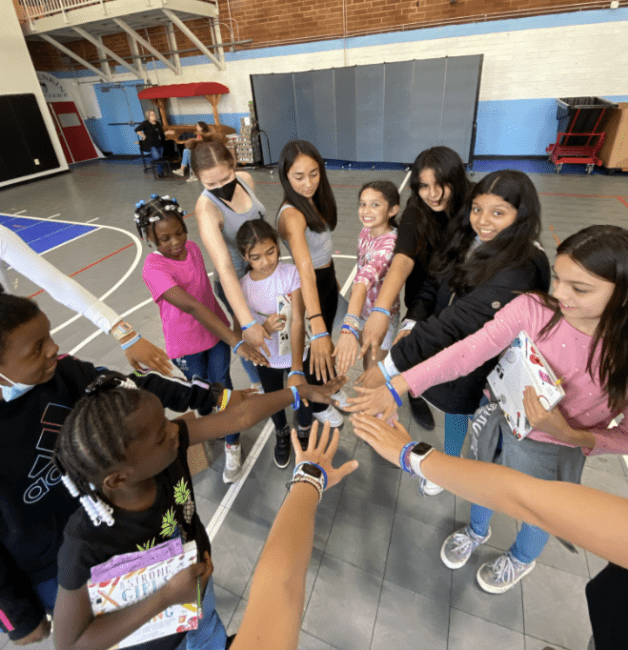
297 341
358 298
212 323
273 615
310 297
589 518
231 286
400 269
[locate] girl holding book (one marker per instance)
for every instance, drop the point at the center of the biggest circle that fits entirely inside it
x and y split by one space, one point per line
492 255
127 463
197 333
582 332
267 282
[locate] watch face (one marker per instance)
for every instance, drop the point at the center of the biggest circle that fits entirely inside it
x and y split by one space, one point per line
421 449
311 470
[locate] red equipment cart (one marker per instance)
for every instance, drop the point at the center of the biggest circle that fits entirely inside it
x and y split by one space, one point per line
579 138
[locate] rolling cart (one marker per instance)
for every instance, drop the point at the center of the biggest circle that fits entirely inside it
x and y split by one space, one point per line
579 138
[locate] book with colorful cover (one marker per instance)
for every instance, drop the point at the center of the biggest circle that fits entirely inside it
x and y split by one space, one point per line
519 366
126 579
284 308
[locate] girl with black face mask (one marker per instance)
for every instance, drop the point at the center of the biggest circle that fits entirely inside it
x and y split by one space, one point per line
227 202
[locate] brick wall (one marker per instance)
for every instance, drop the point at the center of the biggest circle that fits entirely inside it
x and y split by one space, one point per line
276 22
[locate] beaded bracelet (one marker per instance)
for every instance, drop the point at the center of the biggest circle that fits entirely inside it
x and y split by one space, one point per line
350 330
297 398
246 327
404 458
296 372
237 345
308 462
319 336
309 481
352 321
133 341
381 310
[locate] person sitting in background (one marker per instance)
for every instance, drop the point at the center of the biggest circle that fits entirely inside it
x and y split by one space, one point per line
152 138
201 130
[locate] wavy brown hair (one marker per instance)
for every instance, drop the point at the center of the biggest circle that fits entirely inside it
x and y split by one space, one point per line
603 251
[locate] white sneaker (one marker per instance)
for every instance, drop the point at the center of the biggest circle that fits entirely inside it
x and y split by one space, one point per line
429 489
191 179
258 387
233 463
178 172
341 397
331 414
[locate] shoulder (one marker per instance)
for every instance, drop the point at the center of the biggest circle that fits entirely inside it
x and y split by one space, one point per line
247 178
207 212
291 220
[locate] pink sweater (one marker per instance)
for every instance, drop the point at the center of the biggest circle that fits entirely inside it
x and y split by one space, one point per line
585 405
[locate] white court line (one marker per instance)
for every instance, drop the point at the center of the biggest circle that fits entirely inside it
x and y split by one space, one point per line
53 216
15 214
92 220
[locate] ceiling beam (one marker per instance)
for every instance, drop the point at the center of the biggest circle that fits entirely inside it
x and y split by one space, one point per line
145 44
99 73
107 52
188 32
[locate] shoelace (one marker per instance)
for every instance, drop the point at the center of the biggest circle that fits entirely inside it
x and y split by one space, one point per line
231 459
464 543
504 569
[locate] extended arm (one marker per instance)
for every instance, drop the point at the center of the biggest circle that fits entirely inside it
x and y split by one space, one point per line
273 615
348 346
209 224
592 519
292 227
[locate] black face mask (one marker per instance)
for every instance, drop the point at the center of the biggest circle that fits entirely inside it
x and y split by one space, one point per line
225 193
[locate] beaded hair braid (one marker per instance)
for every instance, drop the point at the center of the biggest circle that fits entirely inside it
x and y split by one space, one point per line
94 438
157 209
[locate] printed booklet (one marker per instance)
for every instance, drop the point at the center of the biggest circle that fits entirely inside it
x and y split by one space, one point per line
129 578
519 366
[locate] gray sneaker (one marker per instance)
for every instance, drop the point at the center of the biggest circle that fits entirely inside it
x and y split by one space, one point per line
457 548
502 574
233 463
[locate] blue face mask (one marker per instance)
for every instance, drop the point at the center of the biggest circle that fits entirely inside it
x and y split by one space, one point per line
15 390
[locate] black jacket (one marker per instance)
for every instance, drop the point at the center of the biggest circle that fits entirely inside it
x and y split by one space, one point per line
34 504
444 318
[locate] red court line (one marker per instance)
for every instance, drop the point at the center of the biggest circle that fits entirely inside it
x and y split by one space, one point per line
102 259
622 200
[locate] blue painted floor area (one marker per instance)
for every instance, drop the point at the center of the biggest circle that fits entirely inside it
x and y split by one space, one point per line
43 234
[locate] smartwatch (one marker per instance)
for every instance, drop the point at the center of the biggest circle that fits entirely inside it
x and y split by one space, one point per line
311 470
419 452
312 474
121 330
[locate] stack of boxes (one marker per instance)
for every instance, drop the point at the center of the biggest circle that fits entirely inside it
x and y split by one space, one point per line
247 147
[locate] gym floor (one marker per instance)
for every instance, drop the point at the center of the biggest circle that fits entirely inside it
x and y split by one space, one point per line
375 580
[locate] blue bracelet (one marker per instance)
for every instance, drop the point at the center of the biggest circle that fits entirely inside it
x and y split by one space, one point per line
296 372
381 310
404 457
382 367
297 398
246 327
133 341
237 345
309 462
353 331
395 394
319 336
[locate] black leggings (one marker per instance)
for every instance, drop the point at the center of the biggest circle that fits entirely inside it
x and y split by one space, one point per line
272 380
607 597
327 288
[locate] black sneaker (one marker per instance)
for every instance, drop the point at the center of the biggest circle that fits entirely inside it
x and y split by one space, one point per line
421 413
304 436
282 447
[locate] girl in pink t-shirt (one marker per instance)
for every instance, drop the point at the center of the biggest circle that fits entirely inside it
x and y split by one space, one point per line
195 327
378 206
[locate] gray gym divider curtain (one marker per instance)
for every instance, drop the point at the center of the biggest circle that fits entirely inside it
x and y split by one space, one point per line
387 112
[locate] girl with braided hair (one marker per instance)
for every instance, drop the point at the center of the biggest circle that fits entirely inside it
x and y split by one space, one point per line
127 462
197 333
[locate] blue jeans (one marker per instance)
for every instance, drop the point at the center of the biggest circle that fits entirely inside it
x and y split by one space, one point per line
210 365
155 154
47 592
249 366
185 158
455 432
211 634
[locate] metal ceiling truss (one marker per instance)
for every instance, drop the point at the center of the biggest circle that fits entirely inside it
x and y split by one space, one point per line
105 51
137 39
102 74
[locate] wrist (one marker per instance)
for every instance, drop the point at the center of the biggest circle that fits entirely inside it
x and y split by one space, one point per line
130 342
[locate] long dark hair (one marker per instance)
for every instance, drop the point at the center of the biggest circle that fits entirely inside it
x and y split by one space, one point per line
449 171
603 251
253 232
324 214
512 246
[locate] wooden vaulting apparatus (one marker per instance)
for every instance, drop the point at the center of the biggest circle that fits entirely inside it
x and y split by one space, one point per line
211 90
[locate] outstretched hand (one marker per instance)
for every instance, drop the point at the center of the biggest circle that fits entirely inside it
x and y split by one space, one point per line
247 351
345 353
377 400
373 334
386 440
318 451
372 378
322 394
255 336
144 353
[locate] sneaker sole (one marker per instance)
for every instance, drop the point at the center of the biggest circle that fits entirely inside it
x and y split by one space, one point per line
332 427
282 466
449 564
231 480
491 589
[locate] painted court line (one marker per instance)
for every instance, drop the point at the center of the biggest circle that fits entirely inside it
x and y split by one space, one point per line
15 214
53 216
92 220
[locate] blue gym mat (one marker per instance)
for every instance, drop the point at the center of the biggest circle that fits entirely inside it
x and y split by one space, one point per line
43 234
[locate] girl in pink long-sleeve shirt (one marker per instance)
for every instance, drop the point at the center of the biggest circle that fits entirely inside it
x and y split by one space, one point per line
582 331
